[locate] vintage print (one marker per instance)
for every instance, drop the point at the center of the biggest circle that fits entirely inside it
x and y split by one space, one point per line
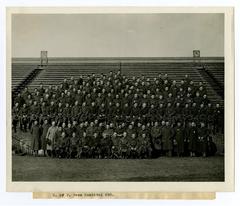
118 97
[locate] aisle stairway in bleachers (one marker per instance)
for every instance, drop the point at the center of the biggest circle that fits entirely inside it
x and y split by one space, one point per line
19 73
213 82
25 79
217 71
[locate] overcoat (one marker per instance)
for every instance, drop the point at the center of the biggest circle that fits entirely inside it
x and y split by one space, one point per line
193 139
35 131
179 136
167 138
45 128
50 137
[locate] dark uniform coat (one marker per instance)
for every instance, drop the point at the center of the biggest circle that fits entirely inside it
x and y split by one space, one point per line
179 137
35 131
167 138
45 128
193 139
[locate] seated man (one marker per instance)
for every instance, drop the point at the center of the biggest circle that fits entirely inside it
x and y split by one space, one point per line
144 148
85 150
105 146
95 145
63 146
133 146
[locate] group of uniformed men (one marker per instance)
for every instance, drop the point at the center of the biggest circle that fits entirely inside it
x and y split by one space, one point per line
113 116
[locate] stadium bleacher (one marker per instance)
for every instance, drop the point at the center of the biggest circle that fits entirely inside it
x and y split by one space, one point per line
54 74
175 71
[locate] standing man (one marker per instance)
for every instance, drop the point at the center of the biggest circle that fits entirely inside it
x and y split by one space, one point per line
35 131
167 139
179 138
45 128
193 140
50 137
202 140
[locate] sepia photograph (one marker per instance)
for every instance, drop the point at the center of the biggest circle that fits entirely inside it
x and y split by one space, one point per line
127 96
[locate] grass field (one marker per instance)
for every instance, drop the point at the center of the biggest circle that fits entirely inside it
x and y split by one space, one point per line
28 168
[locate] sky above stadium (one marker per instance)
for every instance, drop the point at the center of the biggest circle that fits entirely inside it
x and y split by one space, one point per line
117 35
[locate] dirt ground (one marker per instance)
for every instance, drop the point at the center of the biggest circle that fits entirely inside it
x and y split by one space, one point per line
28 168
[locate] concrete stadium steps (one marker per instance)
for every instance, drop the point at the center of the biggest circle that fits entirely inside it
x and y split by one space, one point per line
19 73
55 74
176 71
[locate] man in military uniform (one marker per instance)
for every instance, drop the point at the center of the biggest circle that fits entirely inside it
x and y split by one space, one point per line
210 117
144 111
15 116
156 136
43 112
57 142
193 140
179 138
35 112
167 139
218 119
202 140
44 130
115 150
133 146
124 146
35 132
23 118
106 144
75 111
73 145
